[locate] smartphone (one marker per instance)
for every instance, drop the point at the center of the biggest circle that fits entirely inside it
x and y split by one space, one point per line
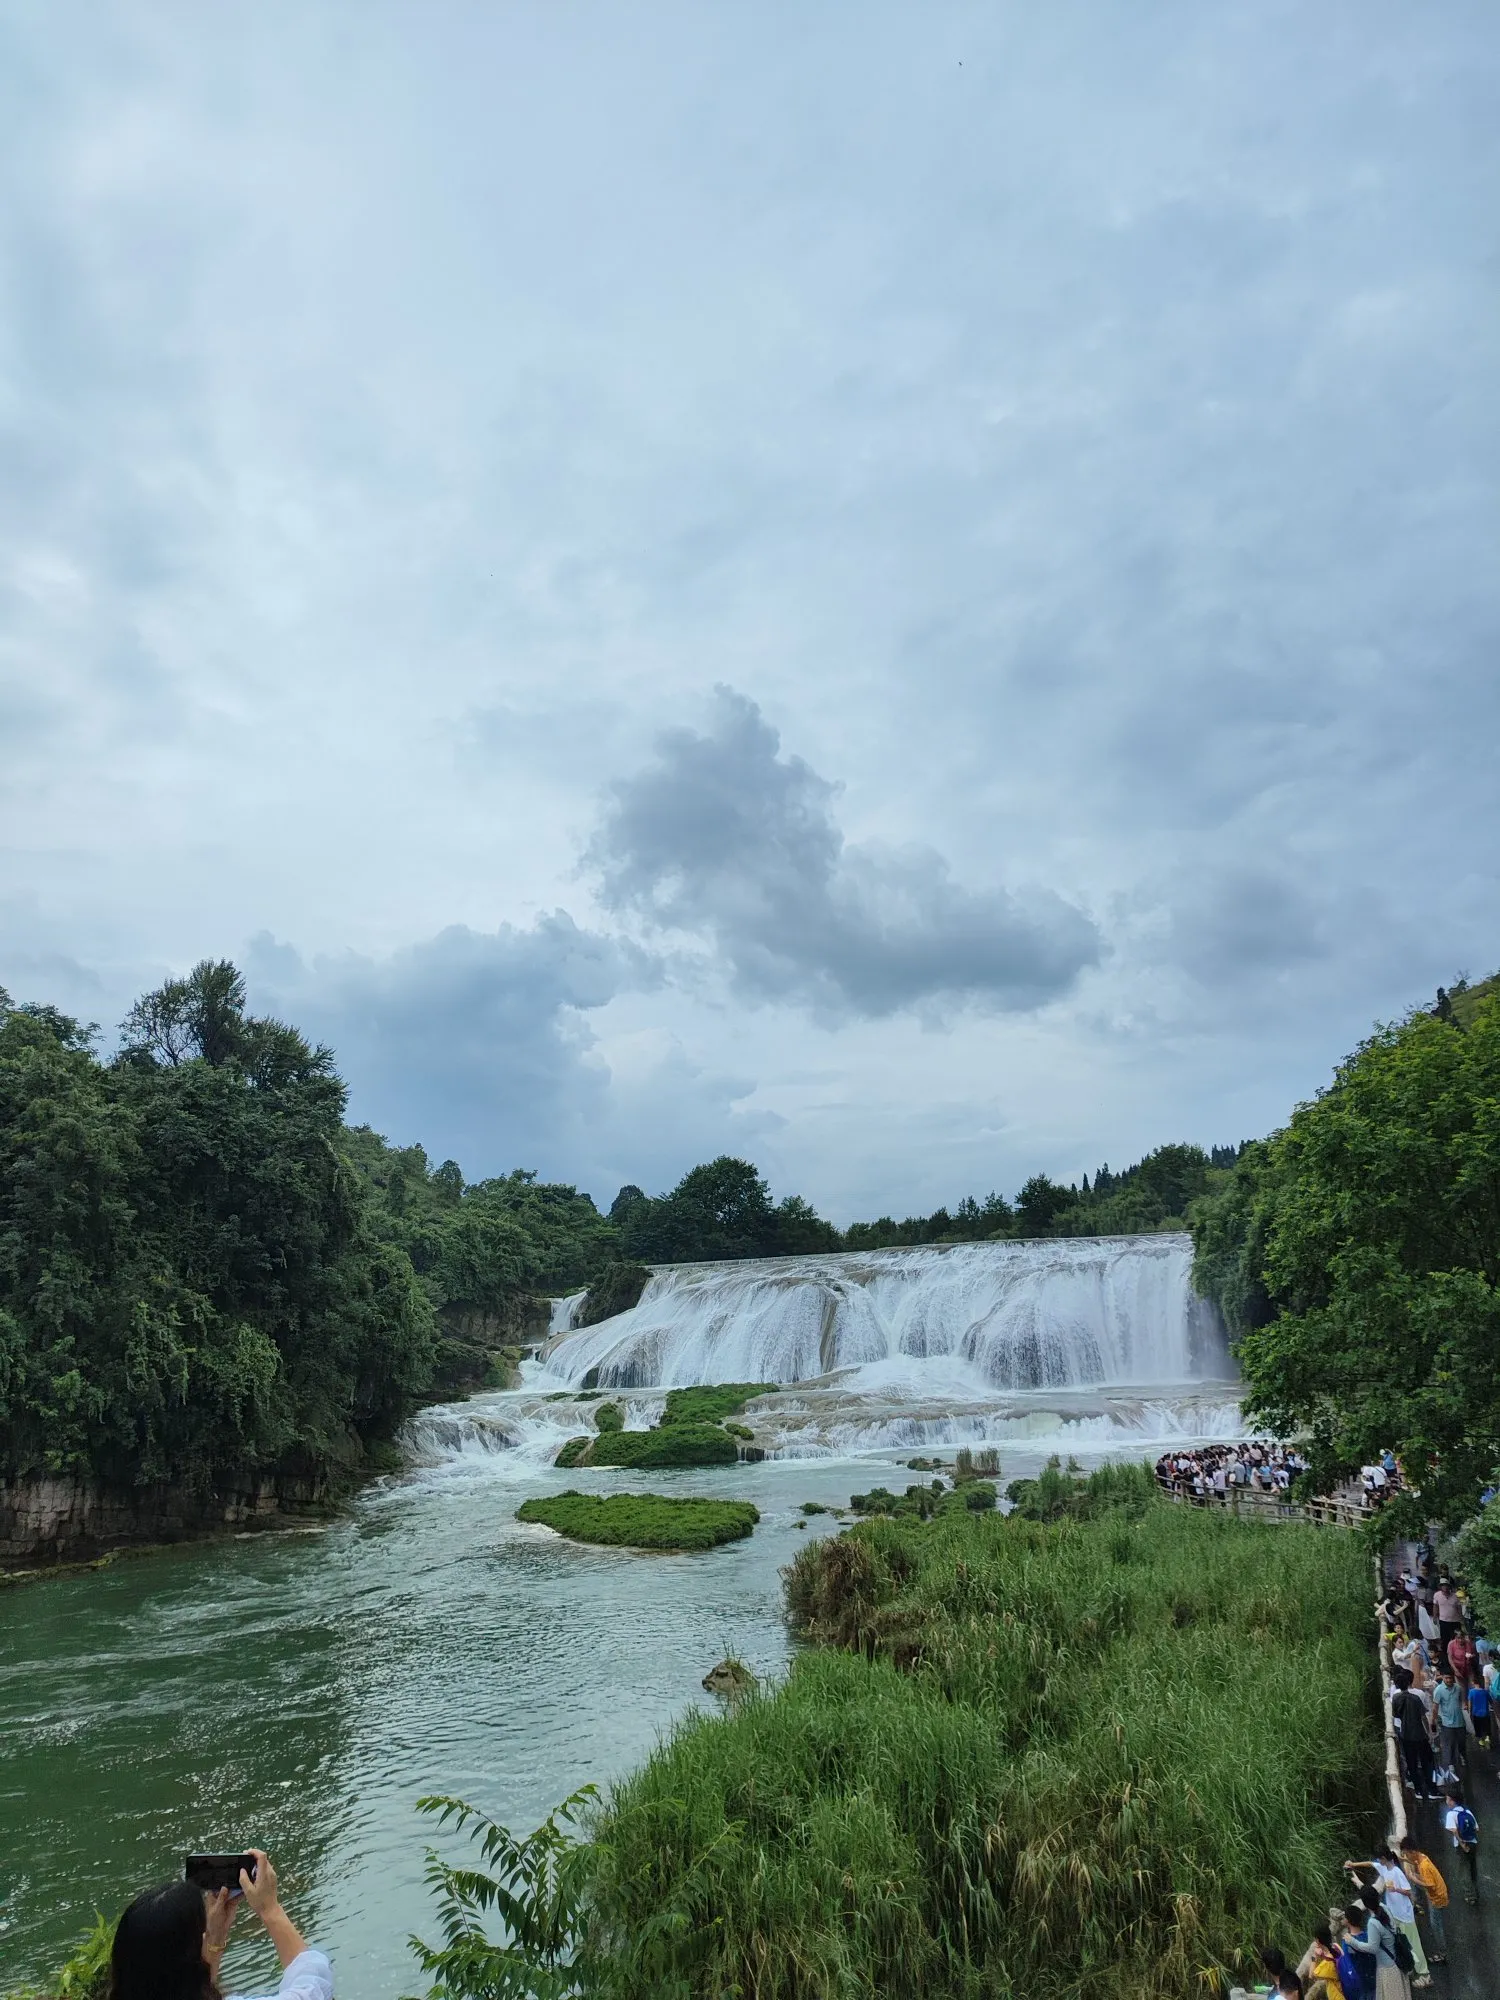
212 1872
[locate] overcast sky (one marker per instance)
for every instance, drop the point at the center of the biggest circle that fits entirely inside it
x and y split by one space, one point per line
908 591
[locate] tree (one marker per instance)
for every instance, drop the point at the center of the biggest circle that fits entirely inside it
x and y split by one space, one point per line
1039 1203
190 1286
1357 1256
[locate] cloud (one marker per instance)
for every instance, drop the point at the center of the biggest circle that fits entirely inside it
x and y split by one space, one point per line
501 1049
1095 473
721 835
476 1043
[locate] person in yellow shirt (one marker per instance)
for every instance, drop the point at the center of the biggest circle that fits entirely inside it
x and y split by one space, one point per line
1421 1868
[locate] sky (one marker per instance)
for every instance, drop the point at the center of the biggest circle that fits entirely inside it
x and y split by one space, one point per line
910 593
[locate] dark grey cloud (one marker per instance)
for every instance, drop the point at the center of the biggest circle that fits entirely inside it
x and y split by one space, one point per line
475 1042
722 835
491 1048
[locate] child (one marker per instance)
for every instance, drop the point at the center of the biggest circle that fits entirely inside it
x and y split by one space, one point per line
1479 1711
1459 1821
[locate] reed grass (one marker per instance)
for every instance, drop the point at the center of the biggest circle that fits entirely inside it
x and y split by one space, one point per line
1064 1760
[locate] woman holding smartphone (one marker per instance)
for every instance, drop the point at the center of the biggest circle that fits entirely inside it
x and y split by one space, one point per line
170 1942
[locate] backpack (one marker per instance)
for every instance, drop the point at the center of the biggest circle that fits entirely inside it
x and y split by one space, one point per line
1401 1945
1349 1978
1465 1827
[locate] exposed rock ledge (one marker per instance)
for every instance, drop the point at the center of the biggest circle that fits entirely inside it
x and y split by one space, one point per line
68 1520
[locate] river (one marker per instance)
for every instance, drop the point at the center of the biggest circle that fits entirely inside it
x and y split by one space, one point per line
302 1690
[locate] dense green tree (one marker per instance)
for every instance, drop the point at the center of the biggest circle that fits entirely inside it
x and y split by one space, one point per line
1357 1257
1039 1204
190 1289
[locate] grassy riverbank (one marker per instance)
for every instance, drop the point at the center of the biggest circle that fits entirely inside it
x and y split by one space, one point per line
1100 1756
642 1520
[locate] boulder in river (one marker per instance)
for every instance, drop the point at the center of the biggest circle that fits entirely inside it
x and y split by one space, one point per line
730 1678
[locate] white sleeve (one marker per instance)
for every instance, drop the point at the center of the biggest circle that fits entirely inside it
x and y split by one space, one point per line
308 1977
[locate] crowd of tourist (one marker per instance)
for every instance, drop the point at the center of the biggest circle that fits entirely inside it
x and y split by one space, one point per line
1219 1471
1445 1679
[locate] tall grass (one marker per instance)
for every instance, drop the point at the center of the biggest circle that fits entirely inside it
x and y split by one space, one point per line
1102 1756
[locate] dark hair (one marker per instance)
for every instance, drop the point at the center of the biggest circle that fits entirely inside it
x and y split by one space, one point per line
1273 1960
1356 1916
1323 1933
1409 1842
158 1949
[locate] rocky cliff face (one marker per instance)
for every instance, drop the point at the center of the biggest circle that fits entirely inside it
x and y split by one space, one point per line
480 1350
70 1520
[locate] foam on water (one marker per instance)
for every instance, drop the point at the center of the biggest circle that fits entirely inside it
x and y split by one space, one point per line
1089 1343
1036 1315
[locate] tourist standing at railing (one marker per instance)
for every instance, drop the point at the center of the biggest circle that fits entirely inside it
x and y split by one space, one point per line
1318 1968
1396 1893
1374 1942
1425 1872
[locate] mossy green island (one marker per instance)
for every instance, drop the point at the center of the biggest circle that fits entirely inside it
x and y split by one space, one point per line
693 1432
643 1520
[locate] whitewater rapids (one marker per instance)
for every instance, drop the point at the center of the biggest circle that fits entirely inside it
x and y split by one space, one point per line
1114 1311
1088 1343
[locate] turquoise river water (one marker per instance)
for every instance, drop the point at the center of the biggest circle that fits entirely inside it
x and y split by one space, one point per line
302 1690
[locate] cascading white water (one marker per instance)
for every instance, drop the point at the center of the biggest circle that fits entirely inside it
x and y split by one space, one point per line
1065 1314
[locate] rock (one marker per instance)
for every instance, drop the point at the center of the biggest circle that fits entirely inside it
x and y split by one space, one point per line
59 1520
730 1678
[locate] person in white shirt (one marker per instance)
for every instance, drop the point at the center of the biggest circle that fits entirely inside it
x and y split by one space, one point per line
1391 1880
170 1942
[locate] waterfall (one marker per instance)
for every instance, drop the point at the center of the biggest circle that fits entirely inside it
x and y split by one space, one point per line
1068 1313
561 1317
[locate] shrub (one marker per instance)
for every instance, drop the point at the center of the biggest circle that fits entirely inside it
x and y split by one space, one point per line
609 1417
642 1520
85 1973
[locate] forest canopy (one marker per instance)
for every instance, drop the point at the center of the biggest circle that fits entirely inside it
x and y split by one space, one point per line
1355 1256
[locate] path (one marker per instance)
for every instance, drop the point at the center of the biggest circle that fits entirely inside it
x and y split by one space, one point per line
1473 1968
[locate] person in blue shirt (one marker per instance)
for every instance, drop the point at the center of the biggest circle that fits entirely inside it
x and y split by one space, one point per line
1448 1700
1479 1711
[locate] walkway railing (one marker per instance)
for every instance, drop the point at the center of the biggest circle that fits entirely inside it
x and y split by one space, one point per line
1334 1510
